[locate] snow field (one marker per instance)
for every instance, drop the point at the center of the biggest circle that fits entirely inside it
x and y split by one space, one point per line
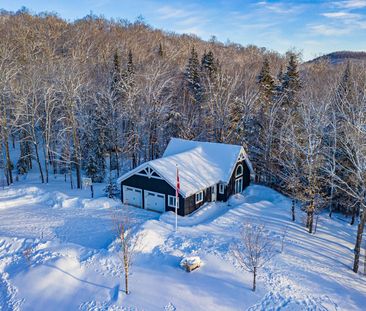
58 251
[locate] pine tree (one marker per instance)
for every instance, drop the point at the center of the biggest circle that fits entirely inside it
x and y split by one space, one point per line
291 84
262 124
208 64
266 82
111 190
116 73
192 76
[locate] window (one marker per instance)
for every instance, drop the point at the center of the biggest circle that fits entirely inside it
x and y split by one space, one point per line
239 171
199 197
221 188
172 200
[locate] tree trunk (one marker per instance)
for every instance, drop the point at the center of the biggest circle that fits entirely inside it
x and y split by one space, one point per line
360 229
117 162
354 214
126 281
311 217
254 279
316 223
293 210
39 162
8 162
76 156
331 202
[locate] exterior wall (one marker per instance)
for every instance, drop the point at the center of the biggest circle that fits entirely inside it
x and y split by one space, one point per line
156 185
190 202
230 189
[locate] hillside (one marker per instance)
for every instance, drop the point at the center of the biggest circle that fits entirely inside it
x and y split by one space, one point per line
341 57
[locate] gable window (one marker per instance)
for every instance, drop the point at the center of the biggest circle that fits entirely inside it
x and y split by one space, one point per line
221 188
199 197
172 200
239 170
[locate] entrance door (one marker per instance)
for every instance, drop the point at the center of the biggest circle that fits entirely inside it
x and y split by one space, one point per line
132 196
213 193
154 201
239 185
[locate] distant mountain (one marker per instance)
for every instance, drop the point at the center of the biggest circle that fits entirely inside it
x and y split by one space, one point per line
341 56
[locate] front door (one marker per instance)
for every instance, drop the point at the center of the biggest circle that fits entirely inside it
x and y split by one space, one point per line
239 185
213 194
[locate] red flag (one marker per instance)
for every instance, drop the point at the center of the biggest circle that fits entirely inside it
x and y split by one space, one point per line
177 188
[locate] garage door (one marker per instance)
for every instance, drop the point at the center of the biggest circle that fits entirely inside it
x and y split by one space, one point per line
154 201
132 196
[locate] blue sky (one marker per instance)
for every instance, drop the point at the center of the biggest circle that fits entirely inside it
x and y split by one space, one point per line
313 27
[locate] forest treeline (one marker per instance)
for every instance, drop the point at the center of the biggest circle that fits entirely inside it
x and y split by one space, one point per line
75 94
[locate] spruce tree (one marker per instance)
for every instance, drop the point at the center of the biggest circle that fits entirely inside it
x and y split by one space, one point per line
192 76
266 82
262 142
291 84
208 64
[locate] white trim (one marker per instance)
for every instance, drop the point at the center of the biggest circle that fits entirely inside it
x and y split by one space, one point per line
174 200
237 180
200 194
141 167
236 171
221 188
148 172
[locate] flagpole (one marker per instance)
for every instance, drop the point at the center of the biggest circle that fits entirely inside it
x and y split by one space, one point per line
176 201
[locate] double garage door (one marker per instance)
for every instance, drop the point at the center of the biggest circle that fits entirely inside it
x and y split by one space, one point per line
153 200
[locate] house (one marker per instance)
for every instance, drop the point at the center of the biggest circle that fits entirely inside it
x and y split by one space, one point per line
208 172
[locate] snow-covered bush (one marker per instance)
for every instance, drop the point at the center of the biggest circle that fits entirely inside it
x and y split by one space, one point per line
111 190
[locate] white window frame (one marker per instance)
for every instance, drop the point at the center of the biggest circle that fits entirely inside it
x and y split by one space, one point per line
174 198
236 171
221 188
199 197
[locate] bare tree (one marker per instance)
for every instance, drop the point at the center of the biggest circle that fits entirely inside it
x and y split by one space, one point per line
253 249
129 242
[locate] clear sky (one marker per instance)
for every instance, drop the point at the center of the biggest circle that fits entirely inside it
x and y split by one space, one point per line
313 27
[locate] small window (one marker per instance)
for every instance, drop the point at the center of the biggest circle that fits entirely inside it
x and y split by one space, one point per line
239 171
199 197
172 201
221 188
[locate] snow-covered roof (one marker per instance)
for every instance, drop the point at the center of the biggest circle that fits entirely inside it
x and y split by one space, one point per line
200 164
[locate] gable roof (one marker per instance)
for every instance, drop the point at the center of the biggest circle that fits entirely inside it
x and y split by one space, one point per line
200 164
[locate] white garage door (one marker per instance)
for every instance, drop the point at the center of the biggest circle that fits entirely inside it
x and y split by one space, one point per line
132 196
154 201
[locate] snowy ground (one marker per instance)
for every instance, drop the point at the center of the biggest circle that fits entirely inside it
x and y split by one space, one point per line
57 252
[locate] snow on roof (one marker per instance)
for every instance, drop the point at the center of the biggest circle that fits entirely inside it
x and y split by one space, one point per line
200 164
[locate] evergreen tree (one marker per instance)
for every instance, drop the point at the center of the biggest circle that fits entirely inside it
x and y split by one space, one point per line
266 83
262 124
208 64
111 190
291 84
192 76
